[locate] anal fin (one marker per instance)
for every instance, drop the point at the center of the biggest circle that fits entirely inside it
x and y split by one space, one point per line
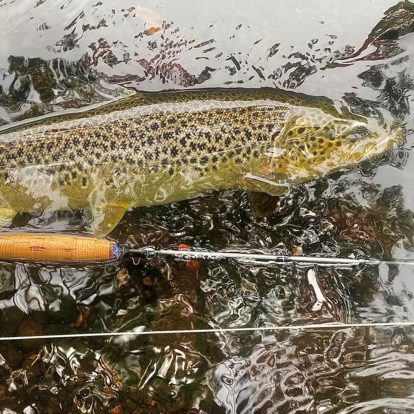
6 215
106 218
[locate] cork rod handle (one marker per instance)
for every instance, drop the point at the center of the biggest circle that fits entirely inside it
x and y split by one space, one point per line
42 247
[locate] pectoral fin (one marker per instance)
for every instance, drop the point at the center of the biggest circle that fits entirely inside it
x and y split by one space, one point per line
6 215
262 204
272 185
106 218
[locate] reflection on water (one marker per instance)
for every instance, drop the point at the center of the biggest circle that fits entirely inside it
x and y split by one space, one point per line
360 56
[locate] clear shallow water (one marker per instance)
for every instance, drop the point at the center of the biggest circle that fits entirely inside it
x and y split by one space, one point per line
70 55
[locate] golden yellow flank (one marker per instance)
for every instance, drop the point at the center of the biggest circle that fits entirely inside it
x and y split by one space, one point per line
155 148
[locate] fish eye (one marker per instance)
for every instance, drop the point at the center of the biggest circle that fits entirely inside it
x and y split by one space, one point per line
358 133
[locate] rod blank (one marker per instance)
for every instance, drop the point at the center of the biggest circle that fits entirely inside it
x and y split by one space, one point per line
264 257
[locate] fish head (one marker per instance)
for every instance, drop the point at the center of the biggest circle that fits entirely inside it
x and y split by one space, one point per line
315 143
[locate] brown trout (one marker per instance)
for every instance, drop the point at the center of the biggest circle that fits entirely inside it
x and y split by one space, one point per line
155 148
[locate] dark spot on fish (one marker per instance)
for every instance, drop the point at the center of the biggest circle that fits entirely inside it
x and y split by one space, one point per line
247 134
168 135
301 130
204 160
154 126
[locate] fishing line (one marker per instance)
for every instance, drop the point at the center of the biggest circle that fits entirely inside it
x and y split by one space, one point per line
212 330
70 249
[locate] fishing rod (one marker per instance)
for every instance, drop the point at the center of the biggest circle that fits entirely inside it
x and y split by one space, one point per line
68 248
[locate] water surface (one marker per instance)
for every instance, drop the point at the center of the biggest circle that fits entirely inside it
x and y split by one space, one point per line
58 56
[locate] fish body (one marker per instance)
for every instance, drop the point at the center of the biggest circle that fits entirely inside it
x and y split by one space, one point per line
156 148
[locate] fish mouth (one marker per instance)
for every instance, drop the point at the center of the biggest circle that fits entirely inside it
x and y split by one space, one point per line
380 144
